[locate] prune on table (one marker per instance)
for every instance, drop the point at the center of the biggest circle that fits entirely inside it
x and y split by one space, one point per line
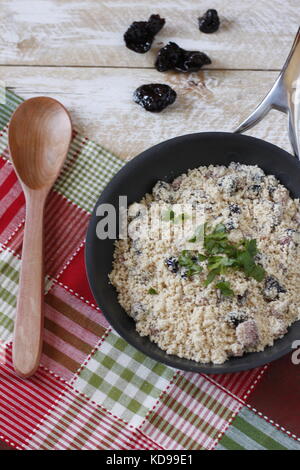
140 35
209 22
173 57
168 57
155 24
172 264
272 289
154 97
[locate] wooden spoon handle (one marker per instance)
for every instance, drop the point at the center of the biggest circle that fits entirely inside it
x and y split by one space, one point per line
27 344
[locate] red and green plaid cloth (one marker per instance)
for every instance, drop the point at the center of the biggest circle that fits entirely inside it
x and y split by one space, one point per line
93 390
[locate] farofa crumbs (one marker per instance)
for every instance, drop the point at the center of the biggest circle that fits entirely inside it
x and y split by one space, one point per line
186 317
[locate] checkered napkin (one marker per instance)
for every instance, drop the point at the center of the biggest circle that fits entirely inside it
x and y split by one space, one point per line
93 390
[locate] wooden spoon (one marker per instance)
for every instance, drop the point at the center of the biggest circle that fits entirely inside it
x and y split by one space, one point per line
39 136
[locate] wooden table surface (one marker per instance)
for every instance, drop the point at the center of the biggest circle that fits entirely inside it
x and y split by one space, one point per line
73 50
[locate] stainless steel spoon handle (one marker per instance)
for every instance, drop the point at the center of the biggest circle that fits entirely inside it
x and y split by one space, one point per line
283 96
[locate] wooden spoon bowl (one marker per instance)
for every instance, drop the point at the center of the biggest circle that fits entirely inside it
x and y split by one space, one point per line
39 136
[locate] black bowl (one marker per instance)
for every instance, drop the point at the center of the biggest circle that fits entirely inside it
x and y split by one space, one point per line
165 161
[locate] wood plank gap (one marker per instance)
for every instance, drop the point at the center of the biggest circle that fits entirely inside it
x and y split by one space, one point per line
135 68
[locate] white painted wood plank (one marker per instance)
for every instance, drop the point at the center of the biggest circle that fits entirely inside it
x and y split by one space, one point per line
100 101
255 34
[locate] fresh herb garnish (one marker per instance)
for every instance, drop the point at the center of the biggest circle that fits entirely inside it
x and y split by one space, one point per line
152 291
194 269
221 255
210 277
246 263
216 241
219 263
188 260
225 288
250 246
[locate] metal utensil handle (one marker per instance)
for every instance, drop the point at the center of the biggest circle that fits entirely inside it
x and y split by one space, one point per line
283 96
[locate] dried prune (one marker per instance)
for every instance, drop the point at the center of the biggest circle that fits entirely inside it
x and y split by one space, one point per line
229 184
272 289
155 24
236 317
154 97
247 334
230 224
173 57
253 191
172 264
209 22
168 57
234 209
140 35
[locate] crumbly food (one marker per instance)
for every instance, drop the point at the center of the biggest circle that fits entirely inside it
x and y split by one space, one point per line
178 312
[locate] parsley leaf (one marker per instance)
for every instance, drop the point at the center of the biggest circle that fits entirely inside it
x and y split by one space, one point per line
188 260
185 259
250 246
194 269
210 277
245 261
225 288
152 291
221 254
216 241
